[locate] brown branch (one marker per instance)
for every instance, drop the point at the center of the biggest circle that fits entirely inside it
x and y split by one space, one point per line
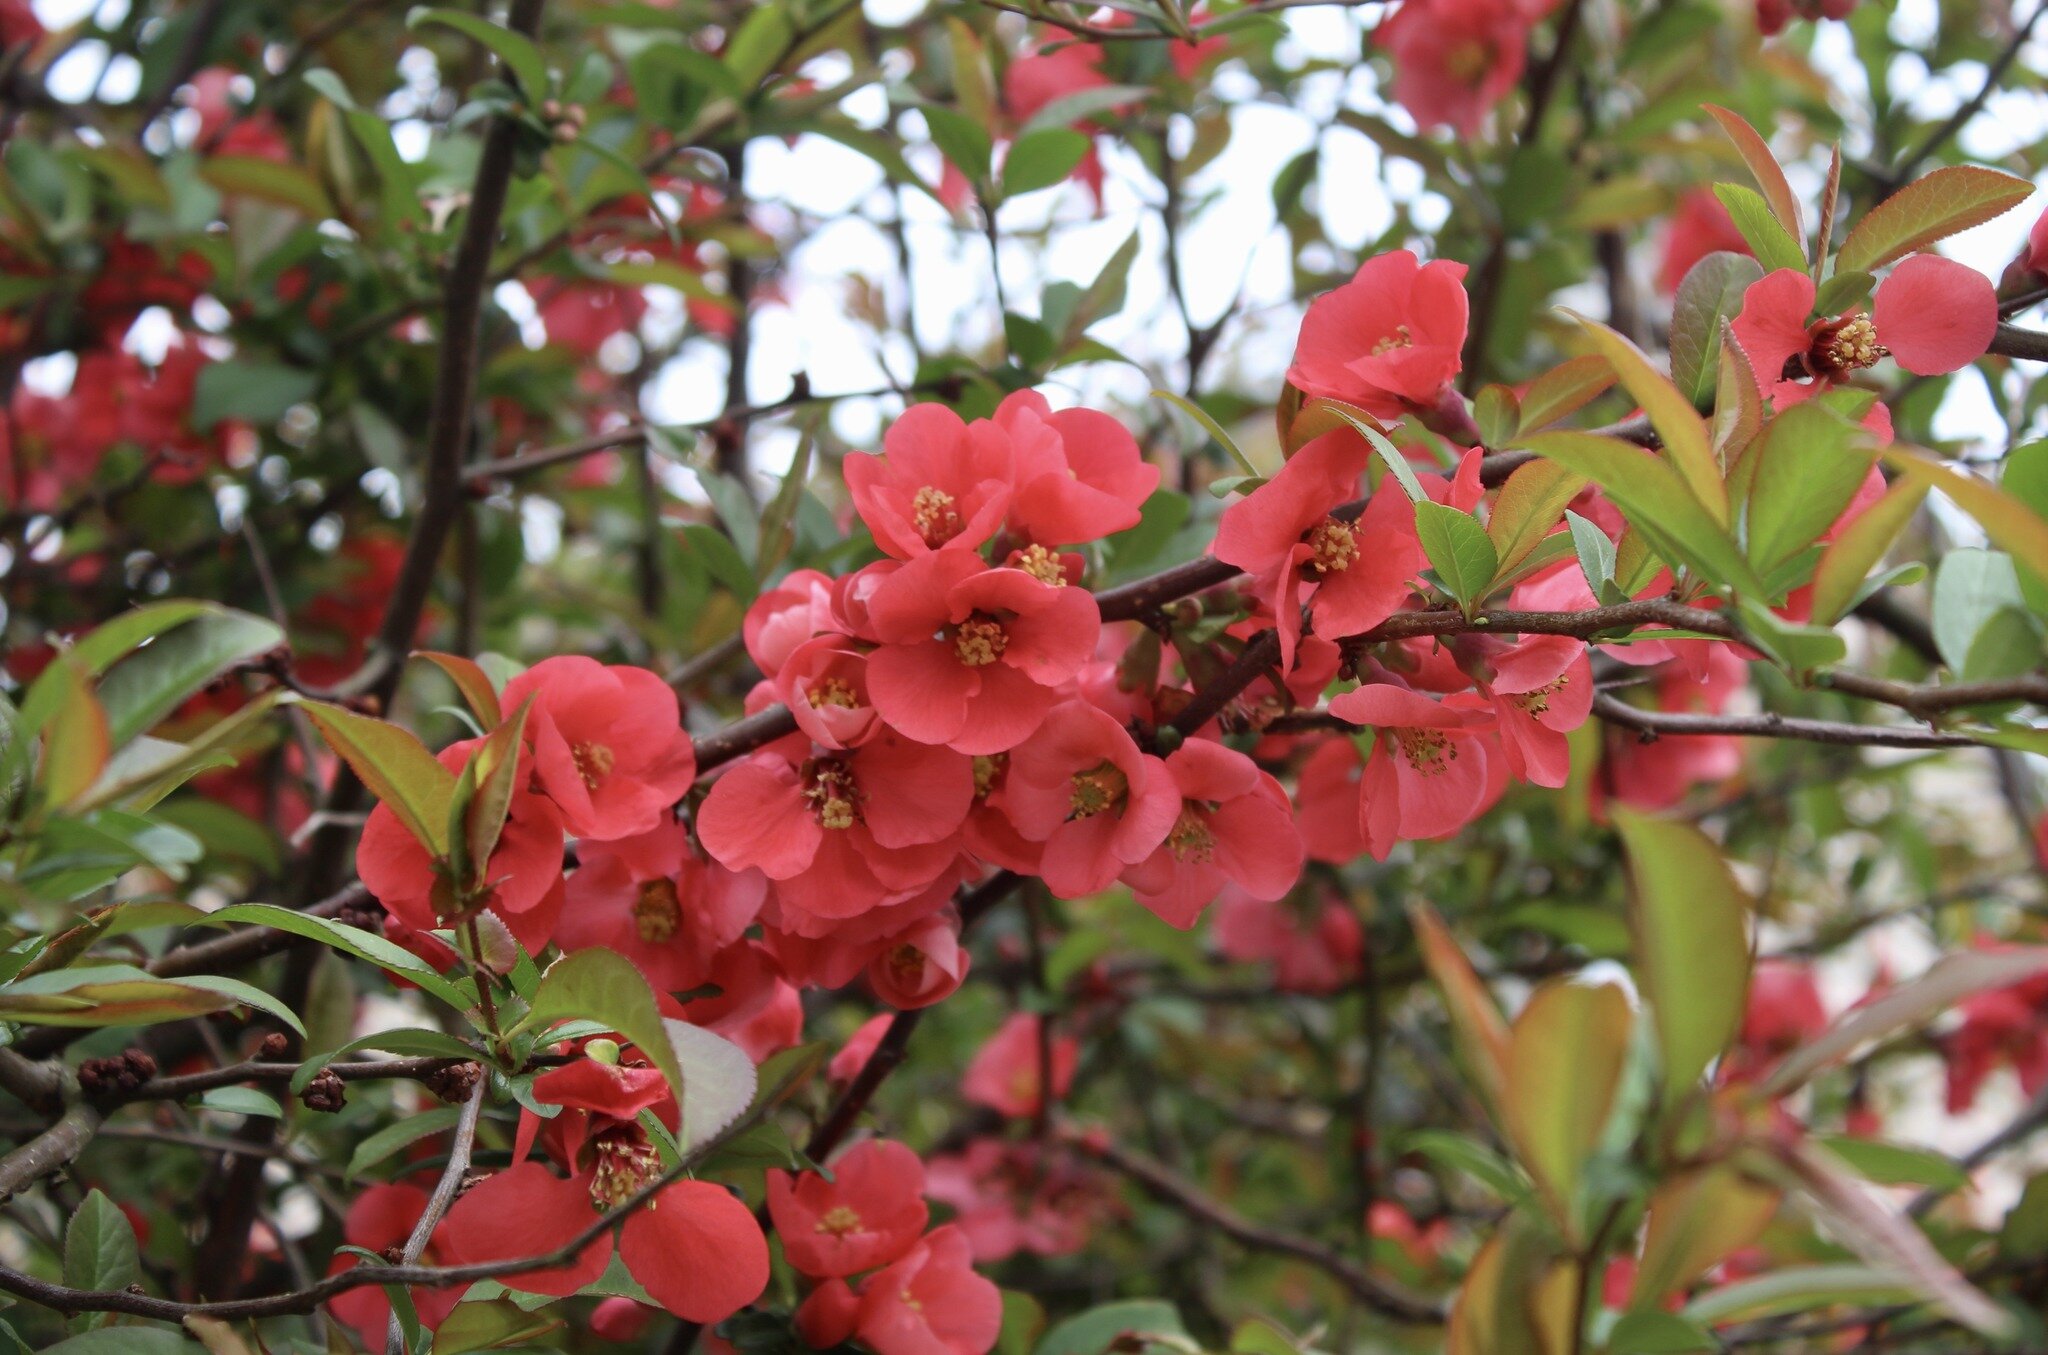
1658 723
49 1150
454 397
1169 1188
2028 345
445 1191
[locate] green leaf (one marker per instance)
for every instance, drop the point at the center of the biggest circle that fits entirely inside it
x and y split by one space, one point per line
1971 589
1800 1289
1691 925
2012 526
1771 242
602 985
386 955
1564 390
1711 292
1211 427
1527 508
491 774
1469 1157
1595 551
1498 414
397 1136
1764 168
242 1101
1841 292
1857 549
474 684
1695 1219
1565 1056
1124 1327
1651 1333
1041 159
396 767
961 140
515 50
1895 1164
719 1081
99 1246
760 45
254 392
1390 455
1931 208
1672 414
287 185
1459 551
1656 502
76 741
1809 465
122 995
493 1325
156 679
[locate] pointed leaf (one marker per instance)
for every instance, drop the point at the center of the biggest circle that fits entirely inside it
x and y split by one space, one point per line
1671 414
396 767
1852 555
1763 167
1949 200
1565 1056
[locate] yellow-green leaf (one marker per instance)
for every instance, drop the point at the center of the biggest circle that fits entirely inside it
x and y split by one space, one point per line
396 767
1695 1220
1932 208
1476 1025
1529 505
1656 502
2010 524
1565 1056
1763 167
76 741
1678 424
1851 556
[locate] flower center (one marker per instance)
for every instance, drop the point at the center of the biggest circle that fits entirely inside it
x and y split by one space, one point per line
626 1161
980 641
988 770
657 913
906 967
1101 787
1401 337
1538 701
833 795
1191 839
1429 751
831 691
1467 62
594 762
839 1220
933 514
1844 346
1332 546
1042 565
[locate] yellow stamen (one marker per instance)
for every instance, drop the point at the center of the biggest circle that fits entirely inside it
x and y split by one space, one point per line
933 514
980 642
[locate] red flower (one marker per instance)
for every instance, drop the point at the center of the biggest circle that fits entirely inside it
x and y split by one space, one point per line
1025 1196
654 901
940 483
824 682
1932 314
525 870
971 656
839 832
1542 689
1004 1075
923 965
1388 340
608 744
1078 475
1353 575
1454 59
1235 826
1314 944
1083 789
1700 226
929 1303
379 1219
870 1213
694 1246
1426 775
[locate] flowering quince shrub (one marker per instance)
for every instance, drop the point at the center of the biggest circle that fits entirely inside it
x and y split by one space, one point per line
1482 797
